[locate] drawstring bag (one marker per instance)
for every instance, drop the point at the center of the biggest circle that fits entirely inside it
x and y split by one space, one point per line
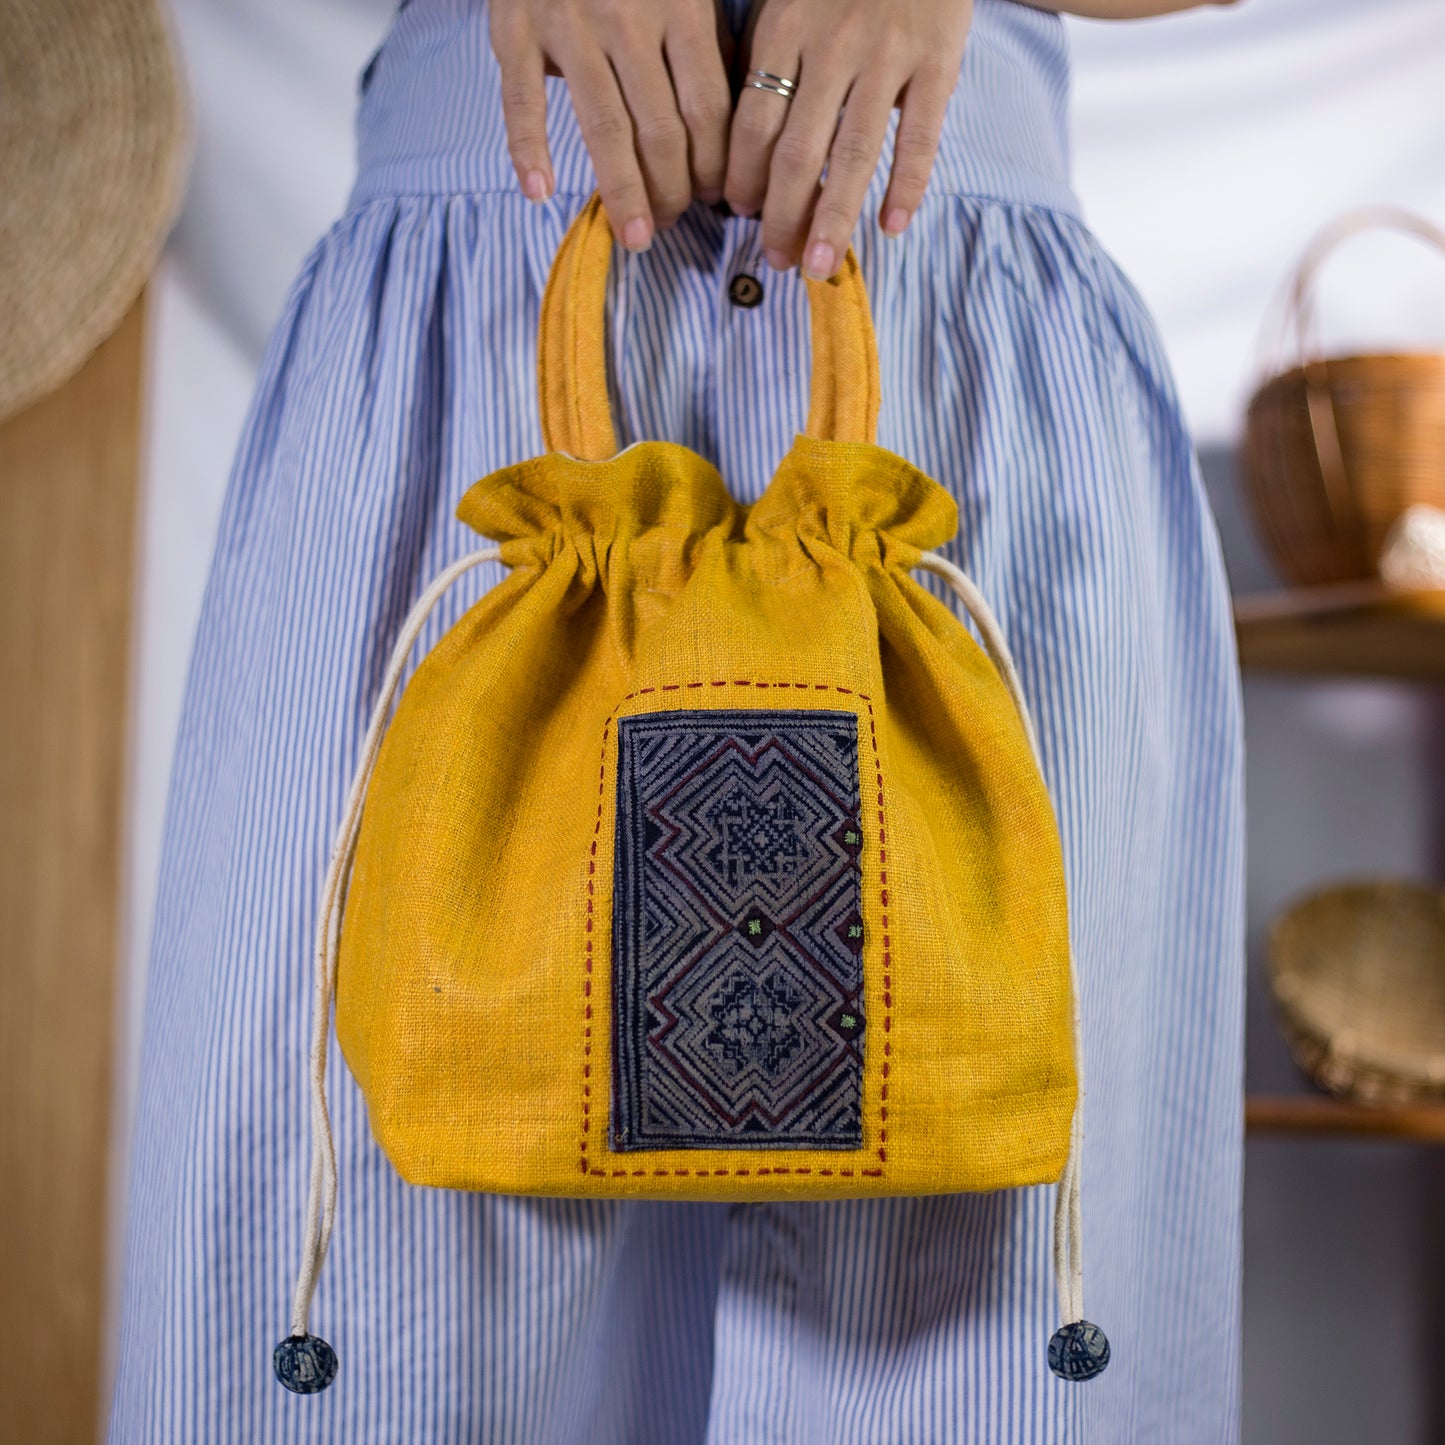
707 856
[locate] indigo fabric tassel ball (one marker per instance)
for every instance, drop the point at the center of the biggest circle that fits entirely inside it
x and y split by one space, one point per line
306 1364
1079 1351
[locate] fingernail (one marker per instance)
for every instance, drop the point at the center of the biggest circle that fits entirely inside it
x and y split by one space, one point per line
895 221
778 260
535 185
821 261
637 234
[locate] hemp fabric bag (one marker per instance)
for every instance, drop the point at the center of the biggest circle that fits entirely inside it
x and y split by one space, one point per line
707 856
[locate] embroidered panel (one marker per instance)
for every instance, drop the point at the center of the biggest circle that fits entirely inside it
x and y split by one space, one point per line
737 936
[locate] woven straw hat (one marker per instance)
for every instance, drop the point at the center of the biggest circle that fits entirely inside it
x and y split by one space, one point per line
92 153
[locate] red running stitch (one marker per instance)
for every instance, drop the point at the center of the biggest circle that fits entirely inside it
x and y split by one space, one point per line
738 1173
887 946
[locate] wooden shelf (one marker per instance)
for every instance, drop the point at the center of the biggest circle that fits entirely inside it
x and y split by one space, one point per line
1291 1114
1357 629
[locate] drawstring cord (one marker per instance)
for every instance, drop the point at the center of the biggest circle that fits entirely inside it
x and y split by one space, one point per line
305 1363
1078 1350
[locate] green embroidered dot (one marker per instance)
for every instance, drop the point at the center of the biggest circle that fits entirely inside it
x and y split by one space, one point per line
850 836
756 928
849 1021
855 930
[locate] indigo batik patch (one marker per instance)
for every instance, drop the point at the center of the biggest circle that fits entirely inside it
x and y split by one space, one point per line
737 936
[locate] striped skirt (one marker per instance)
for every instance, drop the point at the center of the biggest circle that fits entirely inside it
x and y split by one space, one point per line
1019 369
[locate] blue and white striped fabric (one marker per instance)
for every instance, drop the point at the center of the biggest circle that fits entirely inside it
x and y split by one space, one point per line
1021 370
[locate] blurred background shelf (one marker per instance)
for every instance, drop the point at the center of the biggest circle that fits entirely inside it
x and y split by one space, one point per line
1288 1114
1361 630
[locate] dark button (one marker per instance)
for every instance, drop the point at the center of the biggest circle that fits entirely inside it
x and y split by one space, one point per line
305 1364
745 290
1078 1351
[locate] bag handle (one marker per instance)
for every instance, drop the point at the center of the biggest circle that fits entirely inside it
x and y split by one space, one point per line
572 348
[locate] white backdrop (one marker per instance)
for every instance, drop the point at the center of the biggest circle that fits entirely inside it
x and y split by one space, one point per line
1209 147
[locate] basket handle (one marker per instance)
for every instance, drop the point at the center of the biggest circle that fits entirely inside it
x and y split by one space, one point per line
1300 307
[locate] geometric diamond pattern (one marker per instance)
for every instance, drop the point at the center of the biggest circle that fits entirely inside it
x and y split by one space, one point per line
737 932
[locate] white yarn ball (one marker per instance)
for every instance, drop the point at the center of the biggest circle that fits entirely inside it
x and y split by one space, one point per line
1414 553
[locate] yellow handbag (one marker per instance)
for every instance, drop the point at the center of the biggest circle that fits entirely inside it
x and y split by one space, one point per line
707 856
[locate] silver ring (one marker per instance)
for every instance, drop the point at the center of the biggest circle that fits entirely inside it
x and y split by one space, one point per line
777 84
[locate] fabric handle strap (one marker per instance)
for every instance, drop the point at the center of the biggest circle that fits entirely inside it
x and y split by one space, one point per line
572 348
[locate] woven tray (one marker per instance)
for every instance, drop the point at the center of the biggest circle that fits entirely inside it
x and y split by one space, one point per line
1358 973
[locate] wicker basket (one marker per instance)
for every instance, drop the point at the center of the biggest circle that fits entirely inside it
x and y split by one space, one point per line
1358 973
1335 449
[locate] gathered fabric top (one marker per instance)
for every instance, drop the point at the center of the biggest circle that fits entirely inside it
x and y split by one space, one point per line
853 498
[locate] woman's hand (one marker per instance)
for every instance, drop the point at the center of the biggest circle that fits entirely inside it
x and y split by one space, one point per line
648 80
863 57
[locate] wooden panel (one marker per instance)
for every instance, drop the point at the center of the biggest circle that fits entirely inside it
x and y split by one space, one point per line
1359 629
68 471
1418 1123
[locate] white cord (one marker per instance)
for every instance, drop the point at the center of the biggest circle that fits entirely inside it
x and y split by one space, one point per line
1068 1207
321 1192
